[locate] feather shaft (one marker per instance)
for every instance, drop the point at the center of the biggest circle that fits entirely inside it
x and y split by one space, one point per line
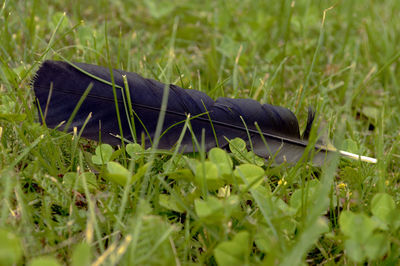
358 157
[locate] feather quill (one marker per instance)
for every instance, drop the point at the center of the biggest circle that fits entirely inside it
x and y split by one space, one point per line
272 130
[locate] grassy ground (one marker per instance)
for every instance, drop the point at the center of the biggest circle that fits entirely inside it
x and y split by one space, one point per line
341 57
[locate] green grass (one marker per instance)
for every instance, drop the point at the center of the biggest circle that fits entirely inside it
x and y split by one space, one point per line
61 205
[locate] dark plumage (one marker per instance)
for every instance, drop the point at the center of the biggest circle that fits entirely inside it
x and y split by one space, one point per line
68 82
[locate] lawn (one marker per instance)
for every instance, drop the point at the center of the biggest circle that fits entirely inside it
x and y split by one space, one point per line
68 200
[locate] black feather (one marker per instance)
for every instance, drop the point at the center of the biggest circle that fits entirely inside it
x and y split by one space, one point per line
220 120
